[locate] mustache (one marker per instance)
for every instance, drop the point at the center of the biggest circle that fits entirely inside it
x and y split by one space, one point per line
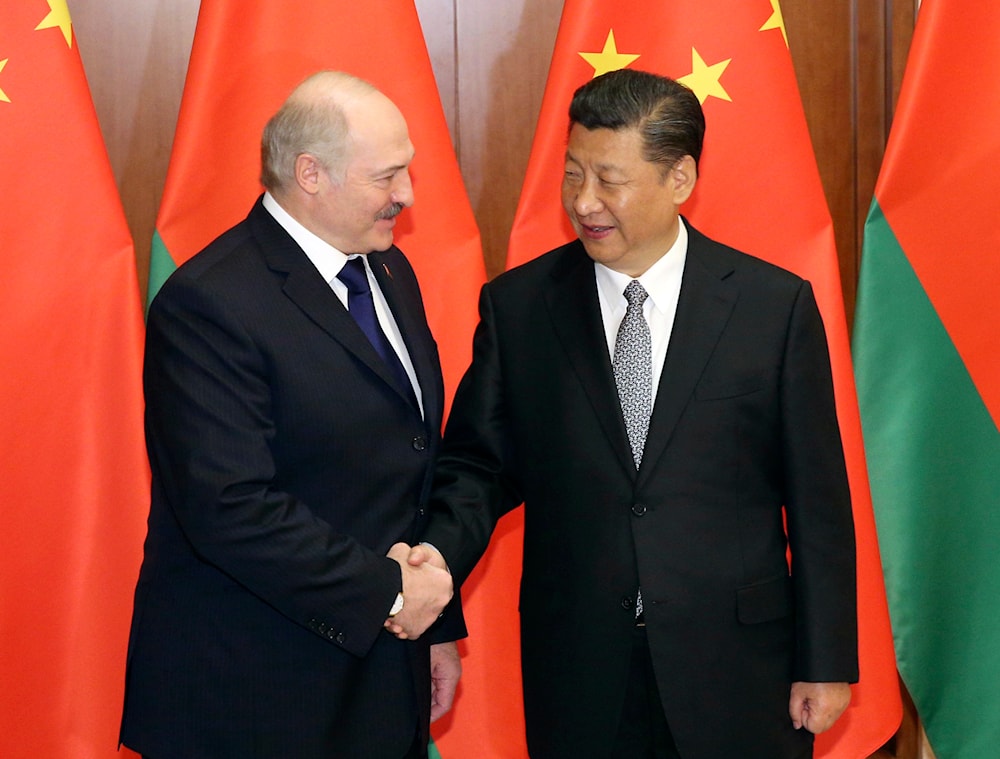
390 212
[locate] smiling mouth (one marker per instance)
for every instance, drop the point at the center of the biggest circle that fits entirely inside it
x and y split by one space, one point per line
592 230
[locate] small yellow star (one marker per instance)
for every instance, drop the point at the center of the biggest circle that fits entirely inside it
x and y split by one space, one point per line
58 16
3 95
704 79
777 21
609 59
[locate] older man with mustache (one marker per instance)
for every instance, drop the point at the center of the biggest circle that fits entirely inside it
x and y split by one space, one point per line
294 402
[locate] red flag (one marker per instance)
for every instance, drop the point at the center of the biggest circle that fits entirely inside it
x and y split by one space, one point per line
759 190
246 59
75 484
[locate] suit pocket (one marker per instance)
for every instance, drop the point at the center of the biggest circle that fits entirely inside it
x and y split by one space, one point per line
764 601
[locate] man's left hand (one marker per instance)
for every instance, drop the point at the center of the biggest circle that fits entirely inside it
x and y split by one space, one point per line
816 706
446 669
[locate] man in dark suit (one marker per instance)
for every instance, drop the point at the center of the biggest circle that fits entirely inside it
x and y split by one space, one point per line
291 465
659 402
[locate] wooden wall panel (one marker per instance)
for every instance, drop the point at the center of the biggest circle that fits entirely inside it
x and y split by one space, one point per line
819 36
437 18
873 102
135 55
504 50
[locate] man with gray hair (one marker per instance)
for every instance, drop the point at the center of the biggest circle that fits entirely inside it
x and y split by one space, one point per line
293 406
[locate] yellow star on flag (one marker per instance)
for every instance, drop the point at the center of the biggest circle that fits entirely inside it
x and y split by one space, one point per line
704 79
609 59
58 16
777 21
3 95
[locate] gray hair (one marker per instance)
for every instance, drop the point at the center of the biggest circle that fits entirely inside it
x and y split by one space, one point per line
312 120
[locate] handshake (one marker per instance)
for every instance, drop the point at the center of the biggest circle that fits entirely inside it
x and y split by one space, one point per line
427 589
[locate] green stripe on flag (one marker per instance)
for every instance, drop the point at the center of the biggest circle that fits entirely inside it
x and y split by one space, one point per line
933 454
161 266
432 752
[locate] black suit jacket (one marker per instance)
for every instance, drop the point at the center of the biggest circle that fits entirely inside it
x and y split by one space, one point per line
285 463
743 424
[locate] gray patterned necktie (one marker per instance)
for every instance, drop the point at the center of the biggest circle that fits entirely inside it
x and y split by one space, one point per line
633 368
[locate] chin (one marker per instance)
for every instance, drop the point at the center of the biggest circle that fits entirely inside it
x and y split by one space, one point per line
600 253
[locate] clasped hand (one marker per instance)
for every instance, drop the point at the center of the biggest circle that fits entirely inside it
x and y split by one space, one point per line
816 706
427 589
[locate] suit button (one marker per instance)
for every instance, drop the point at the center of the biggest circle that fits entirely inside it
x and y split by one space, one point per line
419 443
340 638
627 603
639 509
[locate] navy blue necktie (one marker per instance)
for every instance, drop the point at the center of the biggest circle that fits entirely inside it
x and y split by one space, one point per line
362 307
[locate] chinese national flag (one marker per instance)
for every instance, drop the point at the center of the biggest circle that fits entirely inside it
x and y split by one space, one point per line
759 190
75 483
246 59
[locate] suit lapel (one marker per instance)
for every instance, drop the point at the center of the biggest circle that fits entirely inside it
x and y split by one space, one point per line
305 287
411 322
573 306
706 302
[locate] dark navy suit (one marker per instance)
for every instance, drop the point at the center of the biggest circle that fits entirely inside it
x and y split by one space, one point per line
285 464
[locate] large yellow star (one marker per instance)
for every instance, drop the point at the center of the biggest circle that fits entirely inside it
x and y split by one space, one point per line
609 59
777 21
58 16
704 79
3 95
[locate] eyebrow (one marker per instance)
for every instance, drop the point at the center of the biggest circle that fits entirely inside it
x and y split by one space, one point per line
397 167
388 170
599 166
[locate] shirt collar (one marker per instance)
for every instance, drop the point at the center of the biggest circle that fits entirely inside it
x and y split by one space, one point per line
326 258
660 280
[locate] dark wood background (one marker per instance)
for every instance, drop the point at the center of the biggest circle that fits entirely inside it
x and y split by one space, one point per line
849 57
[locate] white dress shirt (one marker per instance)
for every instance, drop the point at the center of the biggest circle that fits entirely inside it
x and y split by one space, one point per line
662 281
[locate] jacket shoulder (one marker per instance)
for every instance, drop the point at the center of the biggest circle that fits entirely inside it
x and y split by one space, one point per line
725 261
556 263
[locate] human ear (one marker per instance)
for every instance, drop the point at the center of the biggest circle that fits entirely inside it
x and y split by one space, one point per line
307 173
683 176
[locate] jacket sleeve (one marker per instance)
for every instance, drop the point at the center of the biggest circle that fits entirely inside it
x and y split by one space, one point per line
473 487
818 503
210 428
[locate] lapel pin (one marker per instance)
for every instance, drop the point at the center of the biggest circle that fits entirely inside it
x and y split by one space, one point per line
387 272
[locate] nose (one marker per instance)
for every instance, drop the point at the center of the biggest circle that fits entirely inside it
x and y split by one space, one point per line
585 199
402 191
